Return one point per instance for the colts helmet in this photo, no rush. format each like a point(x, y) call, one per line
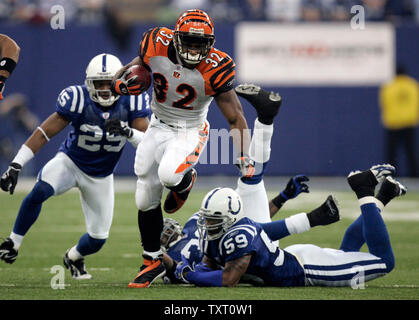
point(172, 231)
point(220, 209)
point(193, 36)
point(102, 67)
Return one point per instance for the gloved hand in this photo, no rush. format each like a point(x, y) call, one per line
point(124, 86)
point(183, 267)
point(246, 166)
point(295, 186)
point(118, 127)
point(9, 178)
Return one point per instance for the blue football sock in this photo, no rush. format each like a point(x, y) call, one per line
point(255, 179)
point(31, 207)
point(353, 239)
point(376, 234)
point(88, 245)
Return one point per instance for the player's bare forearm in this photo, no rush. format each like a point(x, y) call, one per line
point(9, 49)
point(51, 127)
point(234, 270)
point(141, 124)
point(230, 106)
point(273, 209)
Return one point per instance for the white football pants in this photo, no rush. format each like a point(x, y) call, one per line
point(337, 268)
point(163, 157)
point(96, 194)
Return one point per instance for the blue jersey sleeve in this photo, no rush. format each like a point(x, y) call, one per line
point(139, 106)
point(70, 103)
point(238, 242)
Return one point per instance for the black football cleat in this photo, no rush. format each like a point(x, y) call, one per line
point(390, 189)
point(150, 271)
point(77, 268)
point(363, 183)
point(7, 253)
point(326, 214)
point(266, 103)
point(175, 200)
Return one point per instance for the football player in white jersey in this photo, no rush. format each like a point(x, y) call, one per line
point(101, 123)
point(188, 73)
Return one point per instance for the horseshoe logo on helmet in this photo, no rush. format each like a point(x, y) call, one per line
point(229, 206)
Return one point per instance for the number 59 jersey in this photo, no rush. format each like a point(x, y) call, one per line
point(181, 95)
point(88, 145)
point(247, 237)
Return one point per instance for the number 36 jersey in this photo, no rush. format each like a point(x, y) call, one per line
point(182, 95)
point(91, 148)
point(275, 266)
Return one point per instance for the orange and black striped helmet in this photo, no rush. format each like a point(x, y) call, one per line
point(194, 36)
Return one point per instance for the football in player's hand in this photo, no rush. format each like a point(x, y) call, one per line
point(139, 75)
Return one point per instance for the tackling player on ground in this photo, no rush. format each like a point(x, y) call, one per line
point(9, 56)
point(188, 73)
point(102, 123)
point(237, 245)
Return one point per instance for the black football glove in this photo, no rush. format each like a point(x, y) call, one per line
point(246, 166)
point(8, 180)
point(118, 127)
point(295, 186)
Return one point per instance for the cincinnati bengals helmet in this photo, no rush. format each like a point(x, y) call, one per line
point(194, 36)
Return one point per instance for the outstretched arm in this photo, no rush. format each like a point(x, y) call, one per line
point(48, 129)
point(230, 106)
point(202, 275)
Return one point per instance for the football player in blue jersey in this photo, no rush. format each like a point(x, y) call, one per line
point(236, 245)
point(101, 123)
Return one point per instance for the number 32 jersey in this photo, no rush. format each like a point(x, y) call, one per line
point(182, 95)
point(91, 148)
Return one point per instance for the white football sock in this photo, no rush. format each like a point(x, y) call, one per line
point(74, 254)
point(17, 240)
point(260, 146)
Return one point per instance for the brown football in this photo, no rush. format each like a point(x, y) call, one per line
point(143, 76)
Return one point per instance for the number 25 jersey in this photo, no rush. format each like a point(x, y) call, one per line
point(181, 95)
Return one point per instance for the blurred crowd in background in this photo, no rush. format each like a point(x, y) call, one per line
point(229, 11)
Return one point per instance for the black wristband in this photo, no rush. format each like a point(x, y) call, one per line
point(2, 78)
point(278, 201)
point(7, 64)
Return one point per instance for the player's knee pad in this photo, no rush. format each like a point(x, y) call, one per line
point(144, 202)
point(168, 177)
point(40, 192)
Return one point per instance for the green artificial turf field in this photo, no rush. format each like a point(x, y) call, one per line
point(61, 223)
